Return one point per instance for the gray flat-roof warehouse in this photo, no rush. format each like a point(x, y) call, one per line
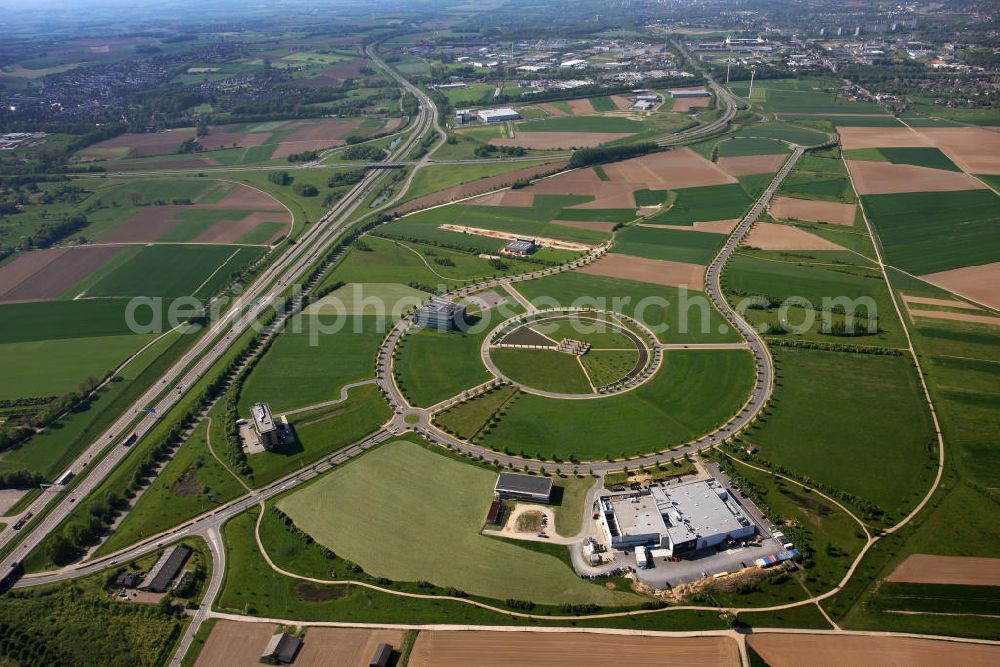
point(498, 115)
point(523, 487)
point(166, 569)
point(683, 518)
point(522, 246)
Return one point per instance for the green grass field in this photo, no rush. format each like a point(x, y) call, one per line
point(50, 451)
point(751, 146)
point(846, 121)
point(929, 157)
point(409, 262)
point(841, 436)
point(670, 244)
point(822, 278)
point(533, 221)
point(675, 316)
point(925, 232)
point(432, 366)
point(439, 177)
point(822, 523)
point(693, 392)
point(46, 320)
point(606, 367)
point(603, 103)
point(309, 366)
point(56, 367)
point(431, 508)
point(546, 370)
point(822, 186)
point(171, 271)
point(785, 132)
point(467, 419)
point(804, 95)
point(709, 202)
point(647, 197)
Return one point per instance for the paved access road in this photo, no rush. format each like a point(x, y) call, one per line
point(409, 417)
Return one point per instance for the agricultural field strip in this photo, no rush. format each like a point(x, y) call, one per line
point(47, 518)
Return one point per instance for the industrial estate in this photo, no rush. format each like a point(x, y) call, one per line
point(500, 333)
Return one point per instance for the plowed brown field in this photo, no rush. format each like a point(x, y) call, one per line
point(771, 236)
point(558, 649)
point(655, 271)
point(795, 650)
point(815, 211)
point(877, 178)
point(960, 570)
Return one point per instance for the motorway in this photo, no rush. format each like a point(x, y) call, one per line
point(90, 469)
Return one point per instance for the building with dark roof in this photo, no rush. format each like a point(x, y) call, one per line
point(523, 487)
point(441, 314)
point(128, 579)
point(166, 569)
point(381, 657)
point(521, 246)
point(281, 649)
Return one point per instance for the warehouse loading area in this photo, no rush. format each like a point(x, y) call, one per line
point(682, 531)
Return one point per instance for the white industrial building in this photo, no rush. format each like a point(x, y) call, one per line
point(498, 115)
point(688, 92)
point(680, 519)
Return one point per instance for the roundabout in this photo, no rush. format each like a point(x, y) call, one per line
point(571, 353)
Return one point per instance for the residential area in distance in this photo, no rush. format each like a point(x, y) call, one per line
point(450, 332)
